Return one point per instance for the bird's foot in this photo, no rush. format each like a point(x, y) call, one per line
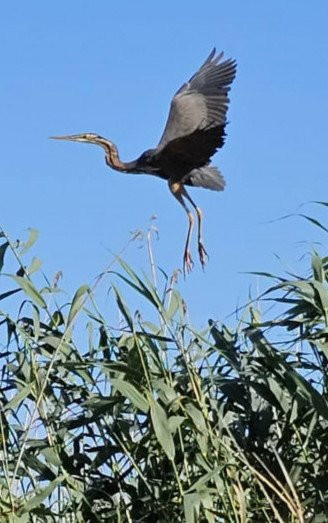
point(188, 264)
point(203, 256)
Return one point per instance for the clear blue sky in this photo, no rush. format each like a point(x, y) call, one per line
point(112, 68)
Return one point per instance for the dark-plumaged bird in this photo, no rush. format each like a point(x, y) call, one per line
point(195, 129)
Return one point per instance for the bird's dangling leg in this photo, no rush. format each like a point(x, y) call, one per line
point(201, 249)
point(188, 264)
point(178, 191)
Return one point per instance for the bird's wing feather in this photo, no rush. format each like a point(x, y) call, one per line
point(192, 150)
point(199, 105)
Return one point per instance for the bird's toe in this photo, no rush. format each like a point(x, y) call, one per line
point(188, 263)
point(203, 256)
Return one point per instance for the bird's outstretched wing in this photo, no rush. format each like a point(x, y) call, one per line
point(195, 126)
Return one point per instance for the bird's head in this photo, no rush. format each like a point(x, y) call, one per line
point(111, 156)
point(84, 137)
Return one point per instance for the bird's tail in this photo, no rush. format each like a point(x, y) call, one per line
point(208, 177)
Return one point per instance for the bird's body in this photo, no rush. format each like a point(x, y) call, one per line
point(195, 129)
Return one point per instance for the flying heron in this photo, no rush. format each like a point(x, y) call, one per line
point(195, 129)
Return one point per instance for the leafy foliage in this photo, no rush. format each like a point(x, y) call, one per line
point(155, 421)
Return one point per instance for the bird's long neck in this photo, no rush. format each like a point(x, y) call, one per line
point(113, 158)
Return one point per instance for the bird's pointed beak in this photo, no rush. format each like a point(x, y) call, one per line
point(71, 137)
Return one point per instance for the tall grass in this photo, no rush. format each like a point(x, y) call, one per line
point(153, 421)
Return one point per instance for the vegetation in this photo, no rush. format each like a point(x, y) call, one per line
point(155, 421)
